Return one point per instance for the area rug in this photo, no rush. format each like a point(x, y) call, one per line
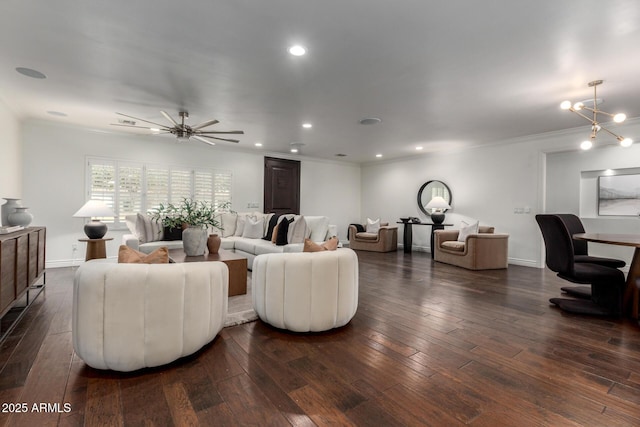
point(240, 309)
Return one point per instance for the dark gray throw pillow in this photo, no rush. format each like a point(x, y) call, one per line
point(283, 231)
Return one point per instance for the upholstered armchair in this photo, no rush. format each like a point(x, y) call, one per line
point(385, 240)
point(484, 250)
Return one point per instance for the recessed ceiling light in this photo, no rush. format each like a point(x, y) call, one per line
point(154, 129)
point(258, 144)
point(370, 121)
point(57, 113)
point(418, 148)
point(295, 147)
point(378, 155)
point(30, 72)
point(307, 125)
point(297, 50)
point(294, 150)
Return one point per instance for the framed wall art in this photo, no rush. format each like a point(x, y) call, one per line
point(619, 195)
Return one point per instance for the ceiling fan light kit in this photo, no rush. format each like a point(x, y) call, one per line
point(182, 131)
point(595, 125)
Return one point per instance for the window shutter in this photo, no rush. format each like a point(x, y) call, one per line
point(129, 190)
point(222, 183)
point(157, 187)
point(203, 186)
point(103, 184)
point(180, 185)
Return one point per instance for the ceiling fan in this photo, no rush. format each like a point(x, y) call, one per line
point(183, 131)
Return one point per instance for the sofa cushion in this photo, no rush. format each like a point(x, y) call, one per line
point(372, 226)
point(298, 230)
point(263, 247)
point(273, 222)
point(127, 255)
point(466, 230)
point(453, 245)
point(148, 230)
point(253, 228)
point(247, 245)
point(147, 248)
point(367, 236)
point(318, 226)
point(283, 232)
point(228, 223)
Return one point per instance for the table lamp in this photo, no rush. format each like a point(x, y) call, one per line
point(94, 229)
point(438, 204)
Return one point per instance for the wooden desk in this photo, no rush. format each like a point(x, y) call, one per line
point(96, 248)
point(631, 293)
point(237, 267)
point(407, 235)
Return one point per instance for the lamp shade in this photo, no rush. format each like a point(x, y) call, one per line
point(94, 208)
point(437, 203)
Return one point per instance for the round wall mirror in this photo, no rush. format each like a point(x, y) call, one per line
point(431, 189)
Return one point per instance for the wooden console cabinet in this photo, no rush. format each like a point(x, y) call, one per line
point(22, 261)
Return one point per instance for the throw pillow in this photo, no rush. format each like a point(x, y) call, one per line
point(253, 228)
point(274, 235)
point(283, 232)
point(131, 256)
point(311, 246)
point(331, 244)
point(228, 222)
point(273, 221)
point(467, 229)
point(242, 219)
point(149, 230)
point(373, 226)
point(171, 234)
point(298, 230)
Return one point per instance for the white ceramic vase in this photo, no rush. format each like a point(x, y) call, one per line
point(8, 208)
point(20, 216)
point(194, 240)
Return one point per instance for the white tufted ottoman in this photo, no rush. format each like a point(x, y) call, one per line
point(133, 316)
point(306, 291)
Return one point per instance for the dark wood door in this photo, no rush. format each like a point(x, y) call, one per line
point(281, 186)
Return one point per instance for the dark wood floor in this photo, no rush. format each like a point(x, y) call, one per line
point(431, 344)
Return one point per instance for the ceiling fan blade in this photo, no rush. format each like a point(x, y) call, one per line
point(133, 126)
point(213, 137)
point(142, 120)
point(168, 117)
point(235, 132)
point(205, 124)
point(203, 140)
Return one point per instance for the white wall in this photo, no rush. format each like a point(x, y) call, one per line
point(486, 184)
point(10, 154)
point(54, 179)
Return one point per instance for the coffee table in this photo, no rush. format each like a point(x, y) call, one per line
point(237, 267)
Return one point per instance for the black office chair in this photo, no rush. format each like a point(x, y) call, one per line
point(581, 254)
point(607, 283)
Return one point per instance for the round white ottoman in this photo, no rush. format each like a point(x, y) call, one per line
point(133, 316)
point(306, 291)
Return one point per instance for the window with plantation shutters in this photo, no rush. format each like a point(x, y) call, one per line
point(129, 188)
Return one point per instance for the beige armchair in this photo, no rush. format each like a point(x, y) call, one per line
point(485, 250)
point(385, 240)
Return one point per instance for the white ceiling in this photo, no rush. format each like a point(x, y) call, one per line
point(440, 74)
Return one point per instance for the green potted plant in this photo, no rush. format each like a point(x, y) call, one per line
point(193, 217)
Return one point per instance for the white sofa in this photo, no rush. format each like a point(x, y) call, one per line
point(306, 292)
point(133, 316)
point(319, 230)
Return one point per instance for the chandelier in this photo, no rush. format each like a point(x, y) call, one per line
point(595, 125)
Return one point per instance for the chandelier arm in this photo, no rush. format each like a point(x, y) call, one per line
point(618, 137)
point(582, 115)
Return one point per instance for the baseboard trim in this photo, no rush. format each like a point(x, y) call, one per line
point(524, 262)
